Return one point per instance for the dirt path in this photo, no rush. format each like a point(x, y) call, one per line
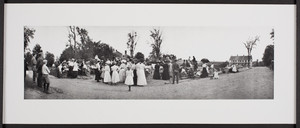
point(255, 83)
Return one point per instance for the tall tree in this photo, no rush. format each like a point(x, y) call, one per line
point(50, 59)
point(140, 57)
point(72, 36)
point(249, 46)
point(28, 34)
point(37, 49)
point(131, 43)
point(272, 35)
point(156, 36)
point(268, 55)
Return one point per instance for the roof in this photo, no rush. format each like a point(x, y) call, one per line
point(239, 57)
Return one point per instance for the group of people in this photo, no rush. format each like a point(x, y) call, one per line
point(71, 68)
point(189, 68)
point(167, 70)
point(128, 72)
point(40, 71)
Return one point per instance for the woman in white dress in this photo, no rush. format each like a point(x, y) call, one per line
point(129, 77)
point(107, 77)
point(122, 74)
point(140, 71)
point(115, 75)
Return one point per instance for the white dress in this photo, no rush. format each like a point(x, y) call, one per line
point(129, 77)
point(140, 71)
point(122, 74)
point(107, 77)
point(115, 75)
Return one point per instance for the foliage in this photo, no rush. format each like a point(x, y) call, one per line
point(272, 35)
point(50, 59)
point(28, 34)
point(37, 49)
point(249, 46)
point(140, 57)
point(171, 56)
point(28, 57)
point(156, 36)
point(131, 43)
point(268, 55)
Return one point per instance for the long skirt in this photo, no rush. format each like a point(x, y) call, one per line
point(97, 75)
point(122, 75)
point(107, 77)
point(115, 77)
point(204, 73)
point(134, 77)
point(156, 74)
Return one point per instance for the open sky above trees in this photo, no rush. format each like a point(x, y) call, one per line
point(214, 43)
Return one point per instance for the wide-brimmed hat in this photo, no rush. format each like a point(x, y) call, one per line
point(123, 61)
point(108, 62)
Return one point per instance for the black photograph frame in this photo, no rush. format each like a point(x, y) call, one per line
point(290, 2)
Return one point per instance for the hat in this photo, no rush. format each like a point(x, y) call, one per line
point(123, 61)
point(108, 62)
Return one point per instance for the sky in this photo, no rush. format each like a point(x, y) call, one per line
point(214, 43)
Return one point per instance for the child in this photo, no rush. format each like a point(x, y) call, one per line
point(216, 75)
point(45, 72)
point(129, 77)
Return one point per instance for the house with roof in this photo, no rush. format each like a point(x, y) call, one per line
point(240, 60)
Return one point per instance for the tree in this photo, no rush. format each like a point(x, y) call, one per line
point(170, 56)
point(272, 35)
point(37, 49)
point(268, 55)
point(67, 54)
point(140, 56)
point(156, 36)
point(249, 46)
point(28, 34)
point(131, 43)
point(28, 57)
point(72, 37)
point(50, 59)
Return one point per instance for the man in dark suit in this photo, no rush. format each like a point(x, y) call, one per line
point(175, 68)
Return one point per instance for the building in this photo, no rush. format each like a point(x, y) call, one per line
point(240, 60)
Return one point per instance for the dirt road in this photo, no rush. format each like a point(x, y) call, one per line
point(255, 83)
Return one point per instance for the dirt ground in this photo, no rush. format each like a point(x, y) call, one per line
point(255, 83)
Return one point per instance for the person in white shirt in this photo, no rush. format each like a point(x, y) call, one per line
point(45, 73)
point(75, 69)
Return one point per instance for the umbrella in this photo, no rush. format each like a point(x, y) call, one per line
point(204, 60)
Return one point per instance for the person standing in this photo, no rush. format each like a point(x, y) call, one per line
point(156, 74)
point(175, 70)
point(204, 72)
point(166, 74)
point(34, 69)
point(140, 71)
point(45, 72)
point(107, 76)
point(115, 75)
point(135, 77)
point(129, 78)
point(97, 71)
point(170, 71)
point(122, 73)
point(75, 69)
point(39, 69)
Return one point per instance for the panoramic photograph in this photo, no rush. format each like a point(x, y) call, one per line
point(148, 62)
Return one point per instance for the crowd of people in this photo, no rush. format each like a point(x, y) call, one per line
point(40, 71)
point(131, 72)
